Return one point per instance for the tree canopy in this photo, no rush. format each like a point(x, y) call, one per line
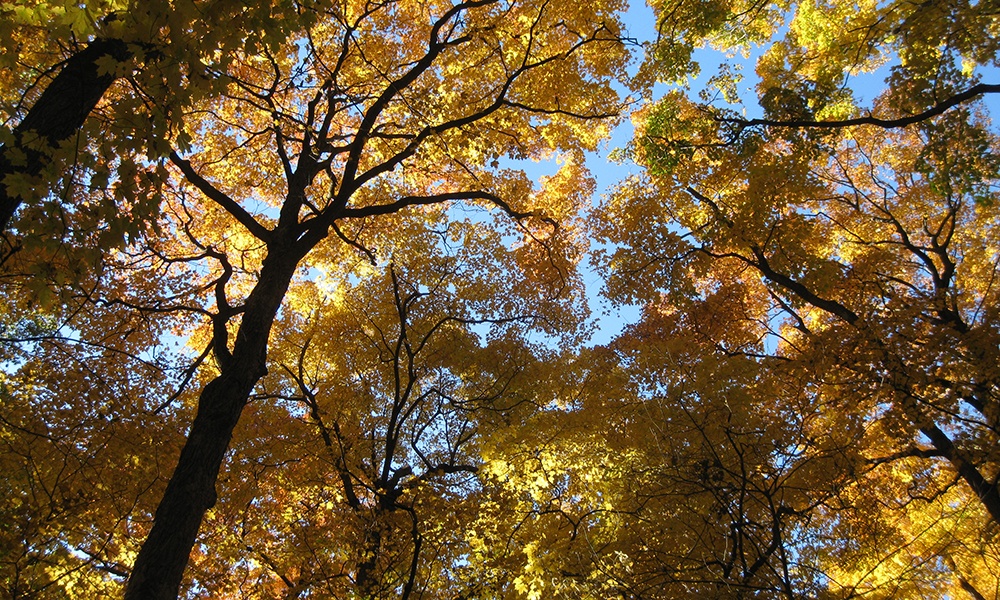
point(286, 317)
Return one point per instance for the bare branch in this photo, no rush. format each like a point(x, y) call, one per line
point(938, 109)
point(220, 198)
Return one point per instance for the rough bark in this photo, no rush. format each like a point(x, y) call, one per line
point(58, 114)
point(160, 564)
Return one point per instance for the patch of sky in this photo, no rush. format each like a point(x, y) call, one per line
point(609, 170)
point(607, 173)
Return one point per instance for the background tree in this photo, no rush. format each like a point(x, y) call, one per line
point(374, 486)
point(854, 243)
point(140, 65)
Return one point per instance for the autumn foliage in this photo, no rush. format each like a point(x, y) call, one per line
point(286, 317)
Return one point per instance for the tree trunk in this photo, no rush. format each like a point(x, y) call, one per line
point(159, 566)
point(59, 113)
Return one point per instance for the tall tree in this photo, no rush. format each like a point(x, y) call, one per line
point(328, 125)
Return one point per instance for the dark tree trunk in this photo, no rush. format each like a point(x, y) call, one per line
point(59, 113)
point(159, 566)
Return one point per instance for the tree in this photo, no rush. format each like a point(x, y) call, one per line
point(359, 113)
point(855, 244)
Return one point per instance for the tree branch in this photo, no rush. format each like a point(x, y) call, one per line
point(392, 207)
point(228, 204)
point(939, 108)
